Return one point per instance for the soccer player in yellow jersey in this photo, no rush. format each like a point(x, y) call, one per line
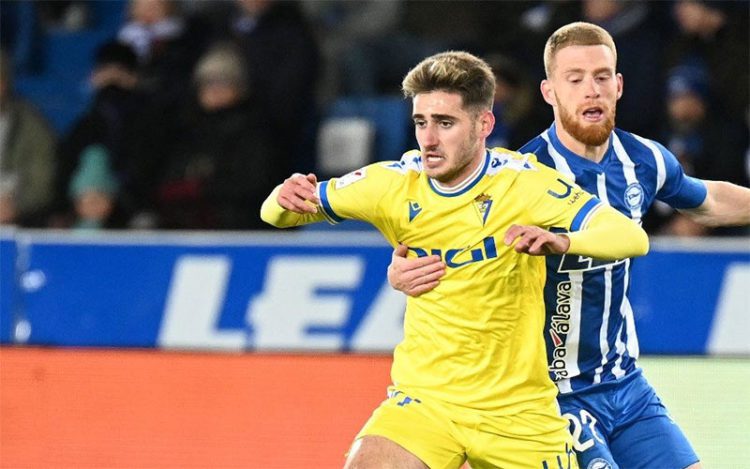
point(470, 379)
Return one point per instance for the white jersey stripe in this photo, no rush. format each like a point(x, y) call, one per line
point(603, 339)
point(628, 169)
point(560, 163)
point(601, 187)
point(661, 170)
point(633, 347)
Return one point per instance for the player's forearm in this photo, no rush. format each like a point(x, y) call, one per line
point(274, 214)
point(726, 204)
point(609, 235)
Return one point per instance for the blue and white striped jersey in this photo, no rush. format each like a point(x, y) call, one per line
point(589, 328)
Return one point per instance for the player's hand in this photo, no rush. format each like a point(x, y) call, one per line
point(297, 193)
point(536, 241)
point(414, 276)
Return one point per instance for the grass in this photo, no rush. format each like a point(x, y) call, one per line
point(710, 400)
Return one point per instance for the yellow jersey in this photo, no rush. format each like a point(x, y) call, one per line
point(476, 340)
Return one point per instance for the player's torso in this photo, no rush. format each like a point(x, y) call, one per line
point(590, 329)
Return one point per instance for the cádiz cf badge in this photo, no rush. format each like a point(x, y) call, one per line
point(483, 203)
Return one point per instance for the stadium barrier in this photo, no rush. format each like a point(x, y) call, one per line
point(307, 291)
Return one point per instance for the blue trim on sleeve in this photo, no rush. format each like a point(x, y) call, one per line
point(692, 194)
point(326, 204)
point(582, 214)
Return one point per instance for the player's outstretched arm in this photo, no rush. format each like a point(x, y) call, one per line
point(414, 276)
point(725, 204)
point(607, 235)
point(292, 203)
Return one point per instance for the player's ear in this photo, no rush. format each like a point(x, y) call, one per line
point(487, 121)
point(620, 84)
point(548, 92)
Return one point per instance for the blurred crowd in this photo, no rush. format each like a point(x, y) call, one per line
point(200, 108)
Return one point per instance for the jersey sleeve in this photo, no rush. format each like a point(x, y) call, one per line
point(679, 190)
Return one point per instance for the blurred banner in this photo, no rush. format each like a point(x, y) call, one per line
point(307, 291)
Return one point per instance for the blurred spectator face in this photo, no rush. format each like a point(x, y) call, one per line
point(94, 205)
point(215, 95)
point(254, 7)
point(150, 11)
point(601, 10)
point(686, 109)
point(698, 18)
point(583, 89)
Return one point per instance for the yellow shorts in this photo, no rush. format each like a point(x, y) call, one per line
point(443, 436)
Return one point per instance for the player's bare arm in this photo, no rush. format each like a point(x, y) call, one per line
point(725, 204)
point(536, 241)
point(414, 276)
point(297, 193)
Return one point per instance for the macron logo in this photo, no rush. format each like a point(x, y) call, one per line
point(414, 210)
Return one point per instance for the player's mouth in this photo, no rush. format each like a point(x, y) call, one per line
point(433, 159)
point(593, 114)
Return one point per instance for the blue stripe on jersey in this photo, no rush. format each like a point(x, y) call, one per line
point(587, 208)
point(326, 204)
point(589, 325)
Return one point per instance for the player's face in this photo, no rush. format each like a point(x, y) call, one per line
point(583, 90)
point(450, 137)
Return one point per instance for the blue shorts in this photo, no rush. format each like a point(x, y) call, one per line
point(625, 425)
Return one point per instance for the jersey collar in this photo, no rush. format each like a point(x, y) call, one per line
point(466, 185)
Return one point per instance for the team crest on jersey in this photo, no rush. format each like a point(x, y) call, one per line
point(483, 203)
point(634, 196)
point(350, 178)
point(414, 209)
point(599, 463)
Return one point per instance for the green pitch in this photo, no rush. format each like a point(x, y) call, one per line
point(710, 400)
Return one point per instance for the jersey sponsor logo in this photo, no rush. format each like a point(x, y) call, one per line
point(414, 210)
point(633, 197)
point(483, 203)
point(564, 192)
point(559, 329)
point(575, 263)
point(350, 178)
point(459, 257)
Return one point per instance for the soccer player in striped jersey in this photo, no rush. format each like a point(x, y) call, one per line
point(615, 416)
point(470, 377)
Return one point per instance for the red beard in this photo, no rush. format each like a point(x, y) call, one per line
point(590, 135)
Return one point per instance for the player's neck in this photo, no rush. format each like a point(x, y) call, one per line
point(590, 152)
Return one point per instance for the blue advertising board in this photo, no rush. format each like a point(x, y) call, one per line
point(305, 291)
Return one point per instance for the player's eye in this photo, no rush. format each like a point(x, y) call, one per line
point(446, 124)
point(419, 123)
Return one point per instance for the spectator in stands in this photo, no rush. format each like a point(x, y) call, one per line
point(516, 116)
point(707, 145)
point(94, 192)
point(716, 33)
point(283, 64)
point(220, 157)
point(118, 120)
point(27, 152)
point(167, 45)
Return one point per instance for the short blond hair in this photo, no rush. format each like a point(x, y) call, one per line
point(453, 72)
point(576, 34)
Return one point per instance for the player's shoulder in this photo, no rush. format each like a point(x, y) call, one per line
point(502, 159)
point(410, 164)
point(382, 173)
point(638, 147)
